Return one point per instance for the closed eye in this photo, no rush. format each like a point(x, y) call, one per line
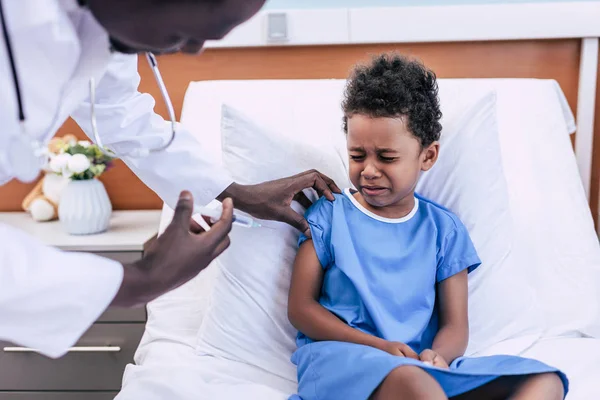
point(357, 157)
point(388, 159)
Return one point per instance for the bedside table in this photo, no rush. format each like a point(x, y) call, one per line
point(94, 367)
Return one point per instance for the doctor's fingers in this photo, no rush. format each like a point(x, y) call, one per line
point(291, 217)
point(196, 228)
point(317, 181)
point(304, 201)
point(330, 183)
point(221, 247)
point(220, 229)
point(183, 212)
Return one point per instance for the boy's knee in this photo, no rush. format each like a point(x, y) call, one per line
point(413, 381)
point(554, 384)
point(405, 373)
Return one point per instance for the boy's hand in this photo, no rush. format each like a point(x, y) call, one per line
point(398, 349)
point(432, 358)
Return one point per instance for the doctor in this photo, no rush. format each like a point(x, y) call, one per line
point(61, 58)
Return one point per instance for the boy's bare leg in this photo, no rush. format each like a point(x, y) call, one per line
point(533, 387)
point(543, 386)
point(409, 383)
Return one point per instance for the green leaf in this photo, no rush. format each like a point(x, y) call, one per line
point(99, 161)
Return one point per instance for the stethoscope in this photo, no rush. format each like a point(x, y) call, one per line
point(27, 156)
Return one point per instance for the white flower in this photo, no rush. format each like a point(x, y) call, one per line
point(84, 143)
point(59, 162)
point(78, 163)
point(66, 173)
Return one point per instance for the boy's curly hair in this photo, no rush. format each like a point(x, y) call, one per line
point(393, 85)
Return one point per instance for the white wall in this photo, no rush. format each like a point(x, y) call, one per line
point(410, 24)
point(304, 4)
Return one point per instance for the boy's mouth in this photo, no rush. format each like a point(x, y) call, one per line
point(373, 190)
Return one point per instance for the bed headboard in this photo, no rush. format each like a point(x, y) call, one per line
point(542, 40)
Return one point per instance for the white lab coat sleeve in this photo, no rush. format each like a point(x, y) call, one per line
point(49, 298)
point(126, 122)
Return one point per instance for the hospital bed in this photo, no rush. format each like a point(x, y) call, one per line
point(506, 167)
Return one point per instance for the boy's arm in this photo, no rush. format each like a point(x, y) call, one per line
point(310, 317)
point(453, 336)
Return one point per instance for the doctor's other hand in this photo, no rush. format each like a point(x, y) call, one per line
point(176, 256)
point(272, 200)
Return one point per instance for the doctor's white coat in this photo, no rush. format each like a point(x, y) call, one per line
point(49, 298)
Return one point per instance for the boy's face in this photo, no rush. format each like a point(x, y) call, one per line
point(386, 160)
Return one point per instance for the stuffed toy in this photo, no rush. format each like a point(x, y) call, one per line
point(42, 202)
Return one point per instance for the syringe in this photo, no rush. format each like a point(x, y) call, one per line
point(215, 214)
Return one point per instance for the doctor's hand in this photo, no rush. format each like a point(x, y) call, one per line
point(272, 200)
point(175, 257)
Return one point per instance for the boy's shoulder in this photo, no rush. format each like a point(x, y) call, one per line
point(323, 202)
point(322, 207)
point(440, 214)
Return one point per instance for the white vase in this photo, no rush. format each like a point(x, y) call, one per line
point(84, 207)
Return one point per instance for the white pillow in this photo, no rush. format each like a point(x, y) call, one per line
point(468, 178)
point(548, 204)
point(247, 319)
point(255, 153)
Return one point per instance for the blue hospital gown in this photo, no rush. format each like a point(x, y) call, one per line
point(380, 277)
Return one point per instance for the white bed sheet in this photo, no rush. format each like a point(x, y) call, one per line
point(576, 357)
point(175, 371)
